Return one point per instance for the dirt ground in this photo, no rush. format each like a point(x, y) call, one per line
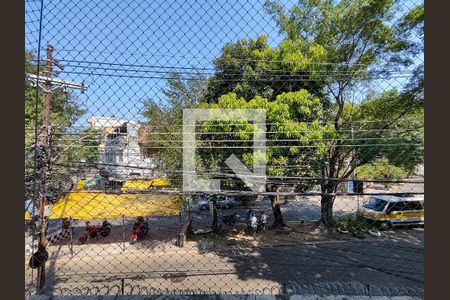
point(294, 234)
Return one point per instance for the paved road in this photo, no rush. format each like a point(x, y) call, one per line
point(156, 263)
point(390, 263)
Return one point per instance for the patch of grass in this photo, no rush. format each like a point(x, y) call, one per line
point(355, 224)
point(352, 223)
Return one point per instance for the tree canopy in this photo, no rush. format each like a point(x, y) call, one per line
point(295, 135)
point(250, 67)
point(163, 139)
point(329, 49)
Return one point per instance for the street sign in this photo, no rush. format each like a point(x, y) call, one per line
point(350, 186)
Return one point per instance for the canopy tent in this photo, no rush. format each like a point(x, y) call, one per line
point(99, 205)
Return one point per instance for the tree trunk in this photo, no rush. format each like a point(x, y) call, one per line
point(215, 223)
point(326, 204)
point(278, 220)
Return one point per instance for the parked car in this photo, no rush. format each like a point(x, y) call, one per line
point(390, 211)
point(226, 202)
point(203, 204)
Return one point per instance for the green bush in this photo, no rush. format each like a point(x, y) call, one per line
point(381, 169)
point(352, 223)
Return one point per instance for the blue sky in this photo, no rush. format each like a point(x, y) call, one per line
point(174, 34)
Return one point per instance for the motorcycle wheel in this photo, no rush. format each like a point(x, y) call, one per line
point(105, 232)
point(82, 239)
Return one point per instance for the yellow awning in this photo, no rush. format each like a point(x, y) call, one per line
point(98, 205)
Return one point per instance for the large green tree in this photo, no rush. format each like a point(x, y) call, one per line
point(250, 67)
point(329, 48)
point(358, 37)
point(163, 134)
point(295, 134)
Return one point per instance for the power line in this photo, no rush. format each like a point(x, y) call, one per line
point(62, 49)
point(225, 123)
point(251, 140)
point(235, 175)
point(263, 72)
point(274, 132)
point(264, 75)
point(222, 80)
point(267, 146)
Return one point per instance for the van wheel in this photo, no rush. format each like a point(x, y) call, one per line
point(385, 225)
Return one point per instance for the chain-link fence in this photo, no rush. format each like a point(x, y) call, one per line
point(211, 147)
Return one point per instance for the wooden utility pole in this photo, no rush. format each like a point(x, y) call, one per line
point(48, 94)
point(47, 84)
point(42, 243)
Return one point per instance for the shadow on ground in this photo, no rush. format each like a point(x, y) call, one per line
point(393, 263)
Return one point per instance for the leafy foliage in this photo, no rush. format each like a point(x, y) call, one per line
point(355, 34)
point(163, 139)
point(357, 38)
point(252, 68)
point(65, 111)
point(64, 108)
point(381, 168)
point(292, 118)
point(304, 83)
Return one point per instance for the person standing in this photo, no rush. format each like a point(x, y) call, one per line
point(263, 221)
point(248, 217)
point(253, 224)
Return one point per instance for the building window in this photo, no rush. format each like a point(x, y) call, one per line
point(119, 156)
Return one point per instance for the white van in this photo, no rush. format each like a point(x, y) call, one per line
point(390, 211)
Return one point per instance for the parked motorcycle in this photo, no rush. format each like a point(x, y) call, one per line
point(94, 231)
point(228, 220)
point(140, 229)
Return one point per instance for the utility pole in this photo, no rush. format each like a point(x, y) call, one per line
point(47, 84)
point(42, 242)
point(48, 94)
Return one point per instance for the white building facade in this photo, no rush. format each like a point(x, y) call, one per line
point(120, 150)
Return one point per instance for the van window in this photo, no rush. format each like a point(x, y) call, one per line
point(413, 205)
point(405, 206)
point(396, 206)
point(376, 204)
